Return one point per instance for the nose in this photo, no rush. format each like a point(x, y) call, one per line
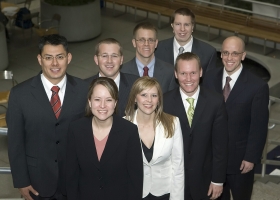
point(182, 27)
point(109, 58)
point(102, 105)
point(54, 61)
point(149, 98)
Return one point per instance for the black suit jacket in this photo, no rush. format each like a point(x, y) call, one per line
point(163, 72)
point(206, 53)
point(247, 108)
point(36, 139)
point(119, 173)
point(126, 82)
point(205, 142)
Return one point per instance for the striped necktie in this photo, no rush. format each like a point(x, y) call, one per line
point(55, 101)
point(190, 111)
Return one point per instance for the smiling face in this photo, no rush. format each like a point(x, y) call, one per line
point(233, 45)
point(109, 60)
point(182, 28)
point(101, 103)
point(54, 69)
point(188, 74)
point(147, 101)
point(146, 49)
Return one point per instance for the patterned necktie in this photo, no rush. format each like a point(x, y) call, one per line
point(227, 89)
point(181, 50)
point(146, 69)
point(55, 101)
point(190, 110)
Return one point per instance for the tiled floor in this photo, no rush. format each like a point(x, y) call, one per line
point(23, 62)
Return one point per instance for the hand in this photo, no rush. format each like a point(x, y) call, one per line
point(246, 166)
point(25, 192)
point(215, 190)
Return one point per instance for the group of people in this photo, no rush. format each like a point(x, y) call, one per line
point(166, 125)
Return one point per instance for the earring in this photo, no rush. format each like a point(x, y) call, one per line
point(135, 106)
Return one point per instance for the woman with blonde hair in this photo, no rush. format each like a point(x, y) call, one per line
point(161, 139)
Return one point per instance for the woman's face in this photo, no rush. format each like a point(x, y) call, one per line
point(101, 103)
point(147, 100)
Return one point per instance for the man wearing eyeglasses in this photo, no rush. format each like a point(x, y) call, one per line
point(109, 57)
point(183, 41)
point(40, 110)
point(145, 63)
point(246, 99)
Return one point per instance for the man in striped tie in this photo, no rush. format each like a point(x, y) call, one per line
point(40, 110)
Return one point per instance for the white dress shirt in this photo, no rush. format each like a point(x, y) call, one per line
point(48, 86)
point(233, 77)
point(187, 47)
point(117, 80)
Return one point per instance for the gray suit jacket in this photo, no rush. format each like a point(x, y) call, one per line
point(206, 53)
point(36, 139)
point(163, 72)
point(126, 82)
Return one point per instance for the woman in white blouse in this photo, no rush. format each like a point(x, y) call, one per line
point(161, 139)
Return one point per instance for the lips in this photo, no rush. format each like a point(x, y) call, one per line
point(54, 70)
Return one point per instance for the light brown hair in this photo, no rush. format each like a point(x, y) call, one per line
point(187, 56)
point(108, 41)
point(184, 12)
point(144, 25)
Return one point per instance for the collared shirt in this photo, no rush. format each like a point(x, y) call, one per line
point(117, 80)
point(151, 67)
point(48, 86)
point(187, 47)
point(187, 105)
point(233, 77)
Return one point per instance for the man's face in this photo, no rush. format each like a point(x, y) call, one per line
point(232, 54)
point(182, 28)
point(145, 43)
point(109, 60)
point(188, 74)
point(54, 61)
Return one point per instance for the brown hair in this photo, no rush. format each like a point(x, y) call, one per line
point(187, 56)
point(108, 41)
point(139, 85)
point(184, 12)
point(111, 87)
point(144, 25)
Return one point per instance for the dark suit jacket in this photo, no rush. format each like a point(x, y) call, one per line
point(126, 82)
point(205, 142)
point(163, 72)
point(119, 173)
point(36, 139)
point(247, 108)
point(206, 53)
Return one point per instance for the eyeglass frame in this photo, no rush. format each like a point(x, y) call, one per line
point(143, 40)
point(57, 57)
point(106, 56)
point(233, 54)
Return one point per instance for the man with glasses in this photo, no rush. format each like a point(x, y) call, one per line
point(109, 57)
point(183, 41)
point(40, 110)
point(145, 63)
point(246, 98)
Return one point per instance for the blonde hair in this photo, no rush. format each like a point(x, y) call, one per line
point(160, 117)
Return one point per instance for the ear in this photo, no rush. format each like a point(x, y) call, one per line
point(175, 74)
point(96, 60)
point(89, 103)
point(134, 43)
point(39, 57)
point(201, 72)
point(69, 58)
point(121, 60)
point(243, 56)
point(156, 43)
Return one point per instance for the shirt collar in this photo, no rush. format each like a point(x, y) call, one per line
point(150, 65)
point(195, 95)
point(48, 85)
point(234, 76)
point(187, 47)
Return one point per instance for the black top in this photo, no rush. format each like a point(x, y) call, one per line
point(148, 152)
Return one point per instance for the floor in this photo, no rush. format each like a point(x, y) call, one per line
point(22, 49)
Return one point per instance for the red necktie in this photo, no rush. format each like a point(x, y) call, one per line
point(146, 69)
point(227, 89)
point(55, 101)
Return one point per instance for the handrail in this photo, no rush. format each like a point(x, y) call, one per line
point(5, 170)
point(263, 3)
point(3, 131)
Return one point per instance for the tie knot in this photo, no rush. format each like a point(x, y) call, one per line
point(55, 89)
point(181, 50)
point(146, 69)
point(190, 101)
point(228, 79)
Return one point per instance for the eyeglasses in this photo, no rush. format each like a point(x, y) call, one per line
point(233, 54)
point(106, 56)
point(51, 58)
point(143, 41)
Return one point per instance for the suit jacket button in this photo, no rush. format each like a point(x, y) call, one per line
point(190, 152)
point(55, 160)
point(57, 142)
point(191, 135)
point(56, 124)
point(100, 177)
point(100, 187)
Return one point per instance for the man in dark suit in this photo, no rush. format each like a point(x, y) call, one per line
point(109, 57)
point(183, 41)
point(39, 113)
point(246, 99)
point(145, 63)
point(203, 119)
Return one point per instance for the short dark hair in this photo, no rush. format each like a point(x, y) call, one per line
point(107, 83)
point(187, 56)
point(53, 39)
point(184, 12)
point(108, 41)
point(144, 25)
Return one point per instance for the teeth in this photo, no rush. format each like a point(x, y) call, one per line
point(54, 69)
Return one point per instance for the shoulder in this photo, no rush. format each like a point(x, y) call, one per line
point(123, 123)
point(171, 93)
point(165, 42)
point(90, 79)
point(164, 64)
point(78, 123)
point(129, 63)
point(254, 79)
point(204, 45)
point(129, 77)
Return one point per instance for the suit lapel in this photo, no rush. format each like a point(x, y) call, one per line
point(123, 92)
point(238, 87)
point(201, 103)
point(158, 72)
point(195, 48)
point(169, 50)
point(133, 69)
point(218, 82)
